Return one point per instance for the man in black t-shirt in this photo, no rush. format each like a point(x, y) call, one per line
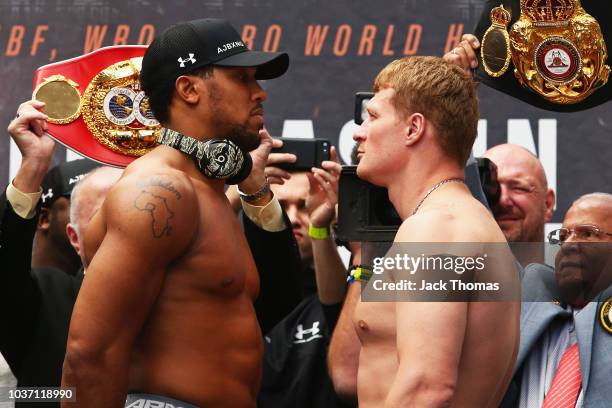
point(295, 350)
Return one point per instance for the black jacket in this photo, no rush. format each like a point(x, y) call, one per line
point(35, 307)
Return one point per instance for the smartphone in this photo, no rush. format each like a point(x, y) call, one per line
point(310, 152)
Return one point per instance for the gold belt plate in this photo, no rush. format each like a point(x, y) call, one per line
point(117, 112)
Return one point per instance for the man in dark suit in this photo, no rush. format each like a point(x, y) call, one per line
point(565, 355)
point(38, 288)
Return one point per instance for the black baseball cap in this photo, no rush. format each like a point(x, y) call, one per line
point(61, 179)
point(185, 47)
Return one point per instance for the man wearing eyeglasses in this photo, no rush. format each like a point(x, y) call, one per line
point(565, 358)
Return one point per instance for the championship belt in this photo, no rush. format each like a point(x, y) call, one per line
point(558, 52)
point(96, 107)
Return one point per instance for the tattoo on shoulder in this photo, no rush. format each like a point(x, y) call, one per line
point(165, 184)
point(161, 214)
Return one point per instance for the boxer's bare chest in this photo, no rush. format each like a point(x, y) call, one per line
point(375, 322)
point(219, 261)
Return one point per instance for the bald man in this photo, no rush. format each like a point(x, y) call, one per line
point(566, 320)
point(526, 202)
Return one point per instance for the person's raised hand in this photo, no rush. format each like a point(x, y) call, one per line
point(464, 54)
point(323, 193)
point(28, 130)
point(275, 174)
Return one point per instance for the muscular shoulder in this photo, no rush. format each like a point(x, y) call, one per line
point(156, 209)
point(468, 222)
point(427, 226)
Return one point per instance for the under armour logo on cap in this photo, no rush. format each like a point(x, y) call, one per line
point(200, 43)
point(47, 196)
point(183, 61)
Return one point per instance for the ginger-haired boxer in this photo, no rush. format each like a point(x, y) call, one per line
point(419, 134)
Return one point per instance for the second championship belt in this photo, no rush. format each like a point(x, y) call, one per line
point(549, 53)
point(558, 50)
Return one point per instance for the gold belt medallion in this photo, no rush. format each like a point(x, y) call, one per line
point(557, 49)
point(116, 111)
point(61, 97)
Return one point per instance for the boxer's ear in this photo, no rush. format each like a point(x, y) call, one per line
point(414, 128)
point(188, 88)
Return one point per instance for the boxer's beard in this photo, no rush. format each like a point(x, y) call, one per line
point(223, 118)
point(247, 141)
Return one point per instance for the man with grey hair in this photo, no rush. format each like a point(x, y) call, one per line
point(566, 320)
point(86, 199)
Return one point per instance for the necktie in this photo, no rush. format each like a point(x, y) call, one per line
point(566, 383)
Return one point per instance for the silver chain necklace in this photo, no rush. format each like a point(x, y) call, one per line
point(431, 190)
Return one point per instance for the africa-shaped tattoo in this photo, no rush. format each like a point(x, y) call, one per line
point(161, 214)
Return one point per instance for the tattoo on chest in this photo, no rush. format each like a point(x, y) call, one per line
point(161, 214)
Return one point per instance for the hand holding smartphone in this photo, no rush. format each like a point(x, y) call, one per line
point(310, 153)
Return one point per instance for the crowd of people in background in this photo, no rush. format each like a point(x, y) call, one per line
point(157, 283)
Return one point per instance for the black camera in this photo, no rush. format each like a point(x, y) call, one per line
point(364, 210)
point(366, 214)
point(487, 170)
